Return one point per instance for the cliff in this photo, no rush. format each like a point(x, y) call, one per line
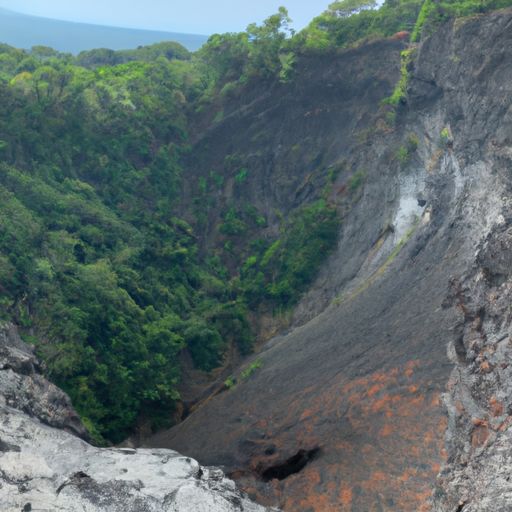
point(396, 371)
point(44, 465)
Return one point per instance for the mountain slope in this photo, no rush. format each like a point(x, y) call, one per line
point(346, 412)
point(25, 31)
point(164, 214)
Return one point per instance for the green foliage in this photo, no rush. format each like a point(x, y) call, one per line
point(434, 12)
point(282, 271)
point(400, 93)
point(105, 57)
point(356, 180)
point(402, 155)
point(445, 137)
point(253, 367)
point(412, 142)
point(205, 344)
point(427, 9)
point(91, 254)
point(227, 61)
point(349, 21)
point(232, 381)
point(233, 225)
point(219, 116)
point(405, 152)
point(346, 8)
point(242, 175)
point(266, 44)
point(287, 61)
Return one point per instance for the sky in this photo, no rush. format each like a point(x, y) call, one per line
point(190, 16)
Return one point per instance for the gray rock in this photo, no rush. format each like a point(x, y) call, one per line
point(45, 466)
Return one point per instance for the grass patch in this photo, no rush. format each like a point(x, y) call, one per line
point(231, 382)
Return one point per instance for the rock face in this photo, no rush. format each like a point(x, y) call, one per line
point(45, 466)
point(398, 368)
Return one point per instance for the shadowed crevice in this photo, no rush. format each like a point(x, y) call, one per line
point(291, 466)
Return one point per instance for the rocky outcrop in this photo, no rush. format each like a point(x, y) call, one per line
point(348, 412)
point(22, 386)
point(45, 466)
point(476, 477)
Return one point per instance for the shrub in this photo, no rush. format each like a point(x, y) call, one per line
point(356, 180)
point(289, 264)
point(400, 92)
point(445, 137)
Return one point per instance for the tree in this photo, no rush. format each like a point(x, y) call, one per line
point(267, 42)
point(346, 8)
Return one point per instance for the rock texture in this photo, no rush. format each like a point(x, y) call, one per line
point(349, 412)
point(45, 466)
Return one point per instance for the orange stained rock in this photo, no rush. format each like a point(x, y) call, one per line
point(386, 430)
point(477, 422)
point(314, 500)
point(317, 504)
point(346, 497)
point(381, 404)
point(415, 451)
point(459, 407)
point(375, 389)
point(331, 488)
point(403, 34)
point(425, 507)
point(506, 424)
point(436, 402)
point(407, 474)
point(314, 477)
point(383, 420)
point(485, 367)
point(379, 476)
point(429, 437)
point(306, 414)
point(496, 407)
point(479, 436)
point(410, 405)
point(410, 367)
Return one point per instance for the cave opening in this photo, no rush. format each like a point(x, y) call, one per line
point(291, 466)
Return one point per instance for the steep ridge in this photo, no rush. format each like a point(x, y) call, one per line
point(300, 142)
point(346, 412)
point(45, 466)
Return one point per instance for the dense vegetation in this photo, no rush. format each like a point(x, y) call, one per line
point(97, 261)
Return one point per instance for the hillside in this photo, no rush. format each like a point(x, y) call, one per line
point(284, 254)
point(25, 31)
point(348, 412)
point(47, 464)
